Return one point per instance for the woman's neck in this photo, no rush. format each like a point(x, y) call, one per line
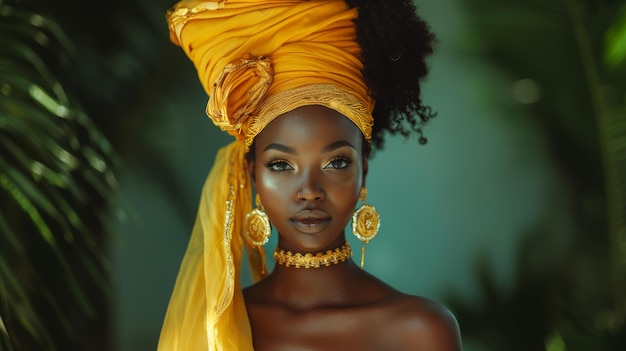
point(308, 288)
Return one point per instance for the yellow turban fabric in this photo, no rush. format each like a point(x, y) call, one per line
point(256, 59)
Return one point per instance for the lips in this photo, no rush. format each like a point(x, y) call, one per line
point(311, 221)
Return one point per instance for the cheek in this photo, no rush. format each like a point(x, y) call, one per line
point(348, 195)
point(272, 189)
point(265, 181)
point(354, 181)
point(345, 192)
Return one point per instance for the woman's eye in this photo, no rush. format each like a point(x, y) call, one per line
point(278, 166)
point(339, 163)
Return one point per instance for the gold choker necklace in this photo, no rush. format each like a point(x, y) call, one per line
point(298, 260)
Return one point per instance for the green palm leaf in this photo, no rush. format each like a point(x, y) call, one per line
point(56, 186)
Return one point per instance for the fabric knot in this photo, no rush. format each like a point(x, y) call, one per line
point(238, 91)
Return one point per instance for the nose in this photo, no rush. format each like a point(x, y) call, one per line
point(311, 188)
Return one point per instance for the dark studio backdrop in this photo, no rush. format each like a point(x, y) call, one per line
point(513, 214)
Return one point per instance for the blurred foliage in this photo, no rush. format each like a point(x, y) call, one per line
point(75, 88)
point(57, 186)
point(566, 63)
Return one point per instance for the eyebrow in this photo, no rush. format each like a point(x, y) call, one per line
point(280, 147)
point(338, 144)
point(289, 150)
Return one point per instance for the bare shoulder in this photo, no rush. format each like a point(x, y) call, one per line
point(418, 323)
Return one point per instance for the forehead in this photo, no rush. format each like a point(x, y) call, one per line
point(309, 125)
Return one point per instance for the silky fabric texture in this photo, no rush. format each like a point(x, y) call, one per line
point(206, 309)
point(283, 53)
point(256, 60)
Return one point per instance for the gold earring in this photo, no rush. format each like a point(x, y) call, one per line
point(257, 229)
point(365, 223)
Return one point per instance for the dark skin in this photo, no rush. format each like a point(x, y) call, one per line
point(308, 169)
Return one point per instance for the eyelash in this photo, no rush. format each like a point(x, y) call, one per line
point(272, 166)
point(343, 159)
point(277, 166)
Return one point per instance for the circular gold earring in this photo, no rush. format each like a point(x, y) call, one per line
point(257, 228)
point(365, 223)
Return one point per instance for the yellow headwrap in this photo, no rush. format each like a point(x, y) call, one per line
point(256, 59)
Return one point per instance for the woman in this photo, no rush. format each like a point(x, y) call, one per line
point(307, 88)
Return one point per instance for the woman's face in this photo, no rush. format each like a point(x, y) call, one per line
point(308, 169)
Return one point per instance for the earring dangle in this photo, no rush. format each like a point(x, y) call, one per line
point(257, 227)
point(365, 223)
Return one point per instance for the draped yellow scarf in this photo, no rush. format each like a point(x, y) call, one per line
point(256, 59)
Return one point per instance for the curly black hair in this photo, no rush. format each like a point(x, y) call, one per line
point(395, 43)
